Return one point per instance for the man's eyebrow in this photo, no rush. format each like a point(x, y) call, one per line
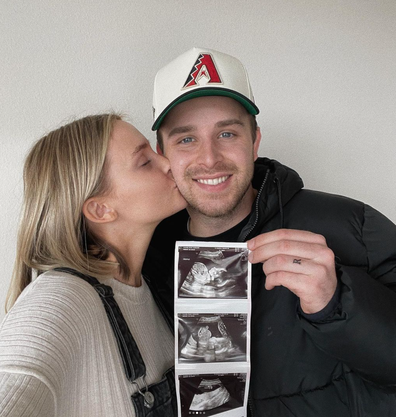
point(229, 122)
point(190, 128)
point(139, 148)
point(181, 129)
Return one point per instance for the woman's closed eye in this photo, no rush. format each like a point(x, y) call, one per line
point(145, 163)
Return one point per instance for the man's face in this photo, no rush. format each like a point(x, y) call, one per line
point(209, 144)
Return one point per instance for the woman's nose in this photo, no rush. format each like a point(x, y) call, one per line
point(163, 163)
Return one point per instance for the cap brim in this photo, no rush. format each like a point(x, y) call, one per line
point(208, 91)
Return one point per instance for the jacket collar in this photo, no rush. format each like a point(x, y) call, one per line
point(276, 184)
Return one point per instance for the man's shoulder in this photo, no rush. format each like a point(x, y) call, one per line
point(327, 201)
point(350, 227)
point(320, 211)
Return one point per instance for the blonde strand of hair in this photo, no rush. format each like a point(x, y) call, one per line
point(63, 170)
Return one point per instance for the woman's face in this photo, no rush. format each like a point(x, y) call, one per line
point(142, 189)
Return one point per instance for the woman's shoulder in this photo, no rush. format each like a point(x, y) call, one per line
point(55, 300)
point(57, 287)
point(54, 319)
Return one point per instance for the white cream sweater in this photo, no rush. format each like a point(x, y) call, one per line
point(58, 354)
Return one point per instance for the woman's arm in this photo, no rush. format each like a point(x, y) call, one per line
point(24, 396)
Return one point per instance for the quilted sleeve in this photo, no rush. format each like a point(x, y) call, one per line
point(361, 332)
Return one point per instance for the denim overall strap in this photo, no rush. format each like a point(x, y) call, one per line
point(132, 360)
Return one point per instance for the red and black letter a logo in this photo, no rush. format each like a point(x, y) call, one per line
point(204, 70)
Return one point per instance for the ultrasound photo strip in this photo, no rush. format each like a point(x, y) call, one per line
point(211, 394)
point(212, 328)
point(212, 337)
point(212, 272)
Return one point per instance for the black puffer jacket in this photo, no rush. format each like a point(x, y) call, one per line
point(342, 366)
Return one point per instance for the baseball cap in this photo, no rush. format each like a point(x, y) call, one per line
point(200, 72)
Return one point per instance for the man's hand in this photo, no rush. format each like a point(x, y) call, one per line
point(299, 261)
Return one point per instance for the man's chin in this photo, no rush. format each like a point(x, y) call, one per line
point(214, 212)
point(217, 206)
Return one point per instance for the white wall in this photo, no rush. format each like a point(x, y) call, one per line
point(323, 74)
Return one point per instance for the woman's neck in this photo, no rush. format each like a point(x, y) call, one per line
point(132, 247)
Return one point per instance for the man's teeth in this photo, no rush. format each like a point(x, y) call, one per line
point(213, 181)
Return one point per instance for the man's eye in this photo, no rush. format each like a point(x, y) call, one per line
point(226, 135)
point(187, 140)
point(146, 163)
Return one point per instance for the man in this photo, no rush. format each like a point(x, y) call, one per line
point(324, 266)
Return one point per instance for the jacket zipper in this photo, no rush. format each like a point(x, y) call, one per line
point(250, 406)
point(257, 206)
point(159, 304)
point(243, 240)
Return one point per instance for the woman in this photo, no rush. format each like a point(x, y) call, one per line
point(94, 193)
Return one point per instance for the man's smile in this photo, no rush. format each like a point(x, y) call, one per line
point(213, 181)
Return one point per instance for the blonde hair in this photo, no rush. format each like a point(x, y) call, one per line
point(63, 170)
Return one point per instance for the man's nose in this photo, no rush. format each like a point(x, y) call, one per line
point(209, 153)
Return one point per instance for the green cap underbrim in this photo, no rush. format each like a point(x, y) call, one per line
point(202, 92)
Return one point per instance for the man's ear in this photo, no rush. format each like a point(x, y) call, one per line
point(98, 212)
point(159, 150)
point(256, 144)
